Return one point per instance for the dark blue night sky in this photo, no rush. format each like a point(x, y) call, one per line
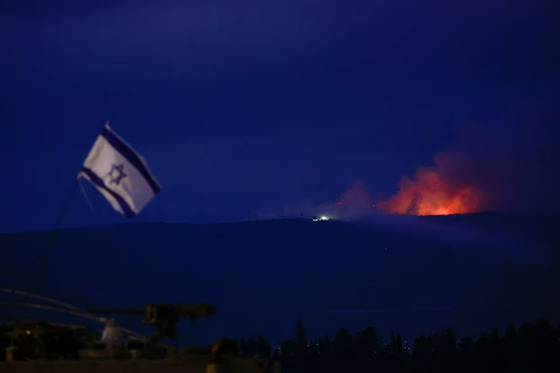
point(243, 107)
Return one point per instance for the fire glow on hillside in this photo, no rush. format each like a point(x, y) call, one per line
point(428, 193)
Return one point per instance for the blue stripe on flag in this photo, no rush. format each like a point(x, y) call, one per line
point(98, 182)
point(130, 156)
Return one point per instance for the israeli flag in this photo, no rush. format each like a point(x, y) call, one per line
point(119, 173)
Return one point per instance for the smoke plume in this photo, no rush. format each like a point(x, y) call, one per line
point(512, 166)
point(430, 192)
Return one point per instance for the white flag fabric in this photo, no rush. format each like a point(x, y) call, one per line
point(119, 173)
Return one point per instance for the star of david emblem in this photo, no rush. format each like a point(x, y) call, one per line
point(116, 174)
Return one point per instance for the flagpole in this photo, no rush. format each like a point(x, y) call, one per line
point(53, 236)
point(85, 195)
point(65, 207)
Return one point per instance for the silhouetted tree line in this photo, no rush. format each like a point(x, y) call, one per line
point(534, 347)
point(255, 346)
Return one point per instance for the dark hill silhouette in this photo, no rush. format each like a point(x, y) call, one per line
point(414, 275)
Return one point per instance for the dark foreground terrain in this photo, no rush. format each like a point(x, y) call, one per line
point(413, 275)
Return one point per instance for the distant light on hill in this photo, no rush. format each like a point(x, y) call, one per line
point(321, 218)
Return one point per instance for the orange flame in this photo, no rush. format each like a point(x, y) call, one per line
point(428, 193)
